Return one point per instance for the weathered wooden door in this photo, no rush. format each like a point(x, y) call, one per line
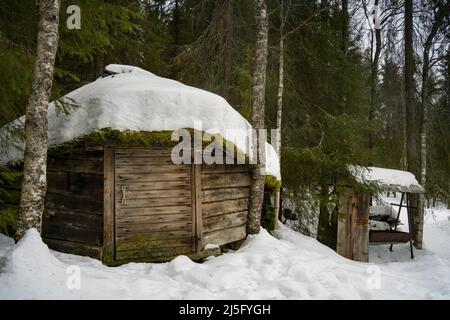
point(154, 216)
point(353, 226)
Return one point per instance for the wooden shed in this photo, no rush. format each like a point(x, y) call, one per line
point(353, 231)
point(120, 204)
point(114, 192)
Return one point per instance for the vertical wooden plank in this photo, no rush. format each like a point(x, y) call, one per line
point(198, 207)
point(361, 228)
point(197, 216)
point(108, 205)
point(344, 245)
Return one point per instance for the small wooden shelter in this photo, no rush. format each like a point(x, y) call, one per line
point(114, 192)
point(120, 204)
point(353, 232)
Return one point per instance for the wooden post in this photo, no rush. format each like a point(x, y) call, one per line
point(108, 205)
point(353, 226)
point(197, 216)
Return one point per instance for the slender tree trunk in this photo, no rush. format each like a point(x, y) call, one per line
point(280, 100)
point(258, 104)
point(441, 14)
point(34, 186)
point(411, 117)
point(374, 78)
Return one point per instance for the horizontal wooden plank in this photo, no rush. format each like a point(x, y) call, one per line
point(87, 185)
point(123, 161)
point(150, 194)
point(151, 169)
point(144, 245)
point(222, 207)
point(73, 218)
point(152, 202)
point(158, 185)
point(75, 165)
point(155, 218)
point(80, 249)
point(166, 210)
point(225, 236)
point(224, 221)
point(148, 178)
point(224, 194)
point(152, 226)
point(74, 203)
point(225, 180)
point(80, 153)
point(224, 168)
point(72, 233)
point(157, 254)
point(143, 152)
point(154, 235)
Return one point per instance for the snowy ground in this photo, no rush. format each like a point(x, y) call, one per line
point(291, 267)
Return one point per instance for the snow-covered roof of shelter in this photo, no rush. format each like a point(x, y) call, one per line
point(136, 100)
point(388, 179)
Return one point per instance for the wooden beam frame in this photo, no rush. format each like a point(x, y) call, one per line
point(108, 205)
point(197, 216)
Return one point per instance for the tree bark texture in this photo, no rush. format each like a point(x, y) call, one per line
point(258, 105)
point(34, 186)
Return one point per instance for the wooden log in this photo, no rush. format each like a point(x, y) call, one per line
point(152, 226)
point(71, 233)
point(224, 168)
point(144, 152)
point(224, 194)
point(224, 236)
point(74, 248)
point(75, 165)
point(144, 211)
point(159, 185)
point(73, 202)
point(152, 169)
point(221, 207)
point(151, 194)
point(79, 184)
point(223, 221)
point(149, 178)
point(153, 235)
point(156, 218)
point(73, 218)
point(225, 180)
point(123, 161)
point(151, 202)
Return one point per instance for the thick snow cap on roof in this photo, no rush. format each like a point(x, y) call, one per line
point(389, 179)
point(137, 100)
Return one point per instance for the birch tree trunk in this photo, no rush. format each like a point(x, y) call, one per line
point(442, 13)
point(34, 186)
point(279, 102)
point(258, 104)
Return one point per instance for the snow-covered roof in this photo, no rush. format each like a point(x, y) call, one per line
point(388, 179)
point(136, 100)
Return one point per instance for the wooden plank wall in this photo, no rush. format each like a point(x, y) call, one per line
point(73, 217)
point(225, 199)
point(153, 205)
point(353, 226)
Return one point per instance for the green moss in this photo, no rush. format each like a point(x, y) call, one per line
point(272, 184)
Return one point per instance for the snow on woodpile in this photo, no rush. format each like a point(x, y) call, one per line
point(137, 100)
point(389, 179)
